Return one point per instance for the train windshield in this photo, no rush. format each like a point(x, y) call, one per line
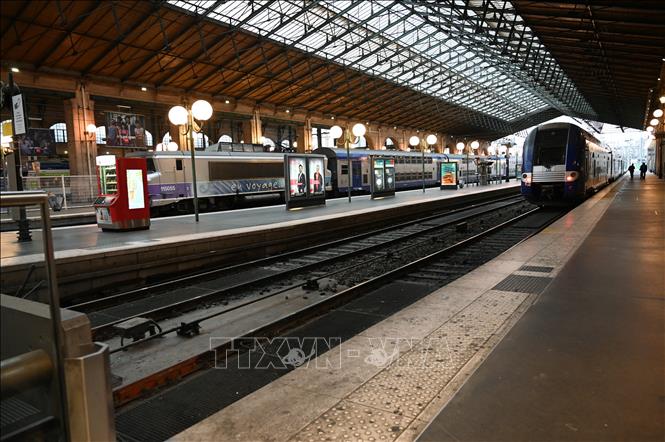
point(550, 147)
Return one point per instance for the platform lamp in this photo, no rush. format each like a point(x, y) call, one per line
point(413, 142)
point(474, 145)
point(431, 141)
point(460, 147)
point(337, 132)
point(201, 110)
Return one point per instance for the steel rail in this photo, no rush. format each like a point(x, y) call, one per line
point(194, 325)
point(98, 304)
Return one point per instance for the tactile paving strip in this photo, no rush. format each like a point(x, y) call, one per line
point(541, 269)
point(399, 393)
point(347, 421)
point(523, 284)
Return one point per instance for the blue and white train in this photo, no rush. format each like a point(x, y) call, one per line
point(563, 164)
point(408, 168)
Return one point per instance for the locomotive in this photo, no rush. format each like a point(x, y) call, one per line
point(563, 164)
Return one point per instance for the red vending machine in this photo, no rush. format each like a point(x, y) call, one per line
point(123, 202)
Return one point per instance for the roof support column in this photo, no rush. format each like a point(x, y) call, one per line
point(82, 146)
point(304, 136)
point(251, 130)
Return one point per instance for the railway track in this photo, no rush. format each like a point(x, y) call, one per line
point(286, 273)
point(390, 283)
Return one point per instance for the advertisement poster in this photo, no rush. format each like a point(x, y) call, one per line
point(125, 130)
point(449, 175)
point(390, 173)
point(316, 179)
point(37, 142)
point(135, 194)
point(378, 176)
point(297, 177)
point(304, 176)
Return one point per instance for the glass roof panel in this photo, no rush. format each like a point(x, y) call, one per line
point(419, 45)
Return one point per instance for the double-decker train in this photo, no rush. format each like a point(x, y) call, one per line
point(563, 164)
point(225, 176)
point(408, 168)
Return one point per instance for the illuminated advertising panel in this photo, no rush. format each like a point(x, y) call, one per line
point(389, 165)
point(297, 177)
point(305, 178)
point(135, 195)
point(316, 179)
point(383, 177)
point(379, 178)
point(448, 175)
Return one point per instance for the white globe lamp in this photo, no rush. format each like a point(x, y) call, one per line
point(336, 132)
point(201, 110)
point(359, 129)
point(178, 115)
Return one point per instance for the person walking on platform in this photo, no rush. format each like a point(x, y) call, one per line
point(631, 170)
point(643, 171)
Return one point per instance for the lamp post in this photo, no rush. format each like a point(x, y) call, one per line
point(180, 116)
point(431, 141)
point(336, 132)
point(460, 146)
point(413, 142)
point(474, 145)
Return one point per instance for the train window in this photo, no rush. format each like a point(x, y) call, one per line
point(345, 169)
point(223, 170)
point(178, 164)
point(151, 165)
point(365, 179)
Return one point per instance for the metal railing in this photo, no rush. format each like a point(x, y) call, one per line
point(24, 199)
point(65, 191)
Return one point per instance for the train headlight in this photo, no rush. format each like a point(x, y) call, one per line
point(571, 176)
point(526, 179)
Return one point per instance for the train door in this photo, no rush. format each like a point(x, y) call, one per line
point(179, 172)
point(356, 173)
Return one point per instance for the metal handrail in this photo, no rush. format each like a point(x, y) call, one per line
point(40, 198)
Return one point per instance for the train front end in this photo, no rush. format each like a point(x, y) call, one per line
point(553, 165)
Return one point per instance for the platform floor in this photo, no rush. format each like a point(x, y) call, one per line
point(576, 358)
point(586, 360)
point(77, 240)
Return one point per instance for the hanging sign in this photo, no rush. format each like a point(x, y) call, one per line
point(19, 115)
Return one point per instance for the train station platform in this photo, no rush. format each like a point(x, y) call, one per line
point(586, 362)
point(559, 338)
point(90, 259)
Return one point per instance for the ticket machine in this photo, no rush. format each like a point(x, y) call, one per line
point(123, 202)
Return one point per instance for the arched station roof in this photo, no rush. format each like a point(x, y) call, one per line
point(466, 67)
